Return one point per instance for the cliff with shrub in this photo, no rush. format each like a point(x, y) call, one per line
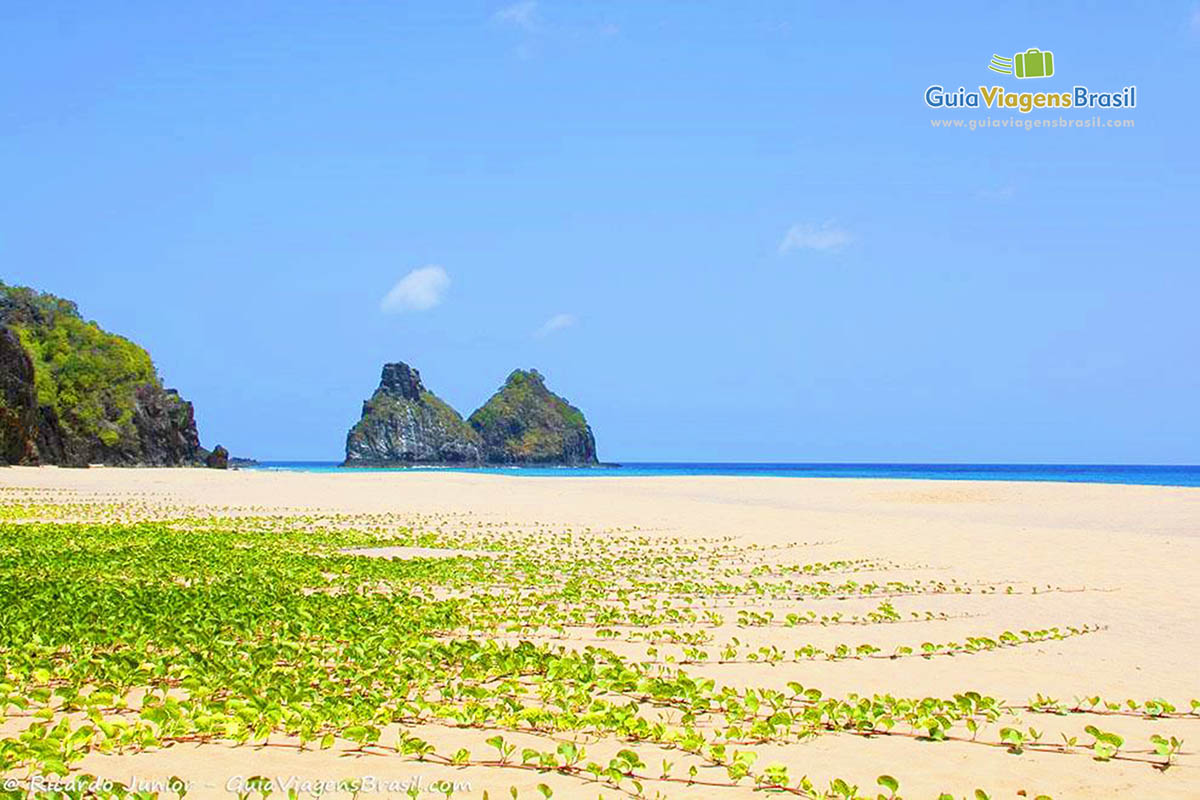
point(526, 423)
point(73, 394)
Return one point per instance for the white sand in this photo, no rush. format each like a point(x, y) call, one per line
point(1135, 550)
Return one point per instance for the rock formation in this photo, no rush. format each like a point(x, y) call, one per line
point(526, 423)
point(72, 394)
point(18, 402)
point(404, 423)
point(217, 459)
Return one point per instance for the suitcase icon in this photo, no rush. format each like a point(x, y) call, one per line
point(1034, 63)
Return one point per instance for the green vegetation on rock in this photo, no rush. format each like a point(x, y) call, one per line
point(86, 375)
point(523, 423)
point(526, 423)
point(98, 395)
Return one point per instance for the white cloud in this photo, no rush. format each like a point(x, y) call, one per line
point(536, 35)
point(419, 290)
point(804, 236)
point(521, 15)
point(556, 323)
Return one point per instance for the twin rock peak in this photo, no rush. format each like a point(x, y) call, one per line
point(522, 423)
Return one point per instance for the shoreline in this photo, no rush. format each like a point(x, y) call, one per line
point(1110, 474)
point(564, 474)
point(1163, 475)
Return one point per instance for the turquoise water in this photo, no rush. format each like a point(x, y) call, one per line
point(1145, 475)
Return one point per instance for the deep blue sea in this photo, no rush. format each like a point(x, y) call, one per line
point(1147, 475)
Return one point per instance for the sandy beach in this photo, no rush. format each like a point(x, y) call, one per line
point(1116, 563)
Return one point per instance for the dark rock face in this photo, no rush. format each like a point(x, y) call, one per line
point(166, 427)
point(165, 436)
point(218, 458)
point(401, 380)
point(105, 406)
point(526, 423)
point(50, 445)
point(18, 402)
point(405, 423)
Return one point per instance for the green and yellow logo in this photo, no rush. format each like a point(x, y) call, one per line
point(1033, 63)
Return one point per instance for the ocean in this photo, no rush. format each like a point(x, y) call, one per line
point(1140, 474)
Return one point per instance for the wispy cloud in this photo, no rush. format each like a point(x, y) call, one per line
point(520, 15)
point(536, 33)
point(556, 323)
point(806, 236)
point(419, 290)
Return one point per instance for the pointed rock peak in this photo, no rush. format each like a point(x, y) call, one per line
point(401, 380)
point(519, 376)
point(405, 423)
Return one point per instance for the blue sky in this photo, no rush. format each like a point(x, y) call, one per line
point(727, 231)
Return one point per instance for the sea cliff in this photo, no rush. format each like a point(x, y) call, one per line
point(73, 394)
